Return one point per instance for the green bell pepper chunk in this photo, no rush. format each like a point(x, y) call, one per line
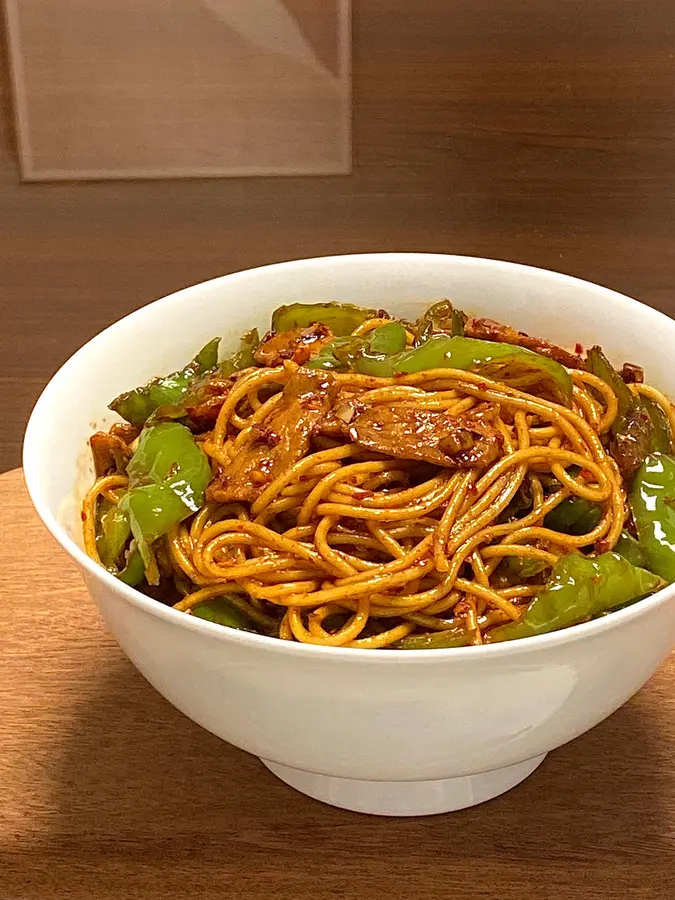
point(134, 569)
point(516, 568)
point(168, 475)
point(632, 430)
point(439, 640)
point(574, 515)
point(579, 588)
point(241, 358)
point(662, 437)
point(341, 318)
point(113, 534)
point(220, 611)
point(468, 354)
point(152, 509)
point(198, 391)
point(385, 339)
point(652, 502)
point(631, 550)
point(326, 359)
point(168, 454)
point(441, 318)
point(368, 354)
point(138, 405)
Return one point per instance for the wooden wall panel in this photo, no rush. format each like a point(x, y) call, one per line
point(180, 88)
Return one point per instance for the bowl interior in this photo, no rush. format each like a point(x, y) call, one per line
point(163, 336)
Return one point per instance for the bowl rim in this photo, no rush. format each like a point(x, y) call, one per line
point(176, 618)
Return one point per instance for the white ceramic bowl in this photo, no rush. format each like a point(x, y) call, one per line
point(389, 732)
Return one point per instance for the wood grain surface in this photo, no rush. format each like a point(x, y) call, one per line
point(108, 793)
point(534, 130)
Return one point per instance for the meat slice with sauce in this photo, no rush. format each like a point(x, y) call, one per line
point(298, 345)
point(489, 330)
point(110, 452)
point(464, 441)
point(336, 422)
point(284, 439)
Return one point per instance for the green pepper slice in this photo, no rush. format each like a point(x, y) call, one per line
point(367, 354)
point(326, 359)
point(441, 318)
point(241, 358)
point(574, 515)
point(134, 569)
point(168, 475)
point(168, 454)
point(370, 354)
point(198, 391)
point(138, 405)
point(113, 533)
point(631, 550)
point(579, 588)
point(652, 502)
point(468, 354)
point(341, 318)
point(662, 437)
point(439, 640)
point(517, 568)
point(222, 612)
point(632, 429)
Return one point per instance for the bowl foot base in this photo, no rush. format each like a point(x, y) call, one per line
point(406, 798)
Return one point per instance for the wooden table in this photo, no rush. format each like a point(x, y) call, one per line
point(108, 793)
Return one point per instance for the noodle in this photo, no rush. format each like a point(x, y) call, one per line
point(352, 547)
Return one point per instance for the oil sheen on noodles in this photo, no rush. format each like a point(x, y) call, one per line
point(351, 547)
point(405, 566)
